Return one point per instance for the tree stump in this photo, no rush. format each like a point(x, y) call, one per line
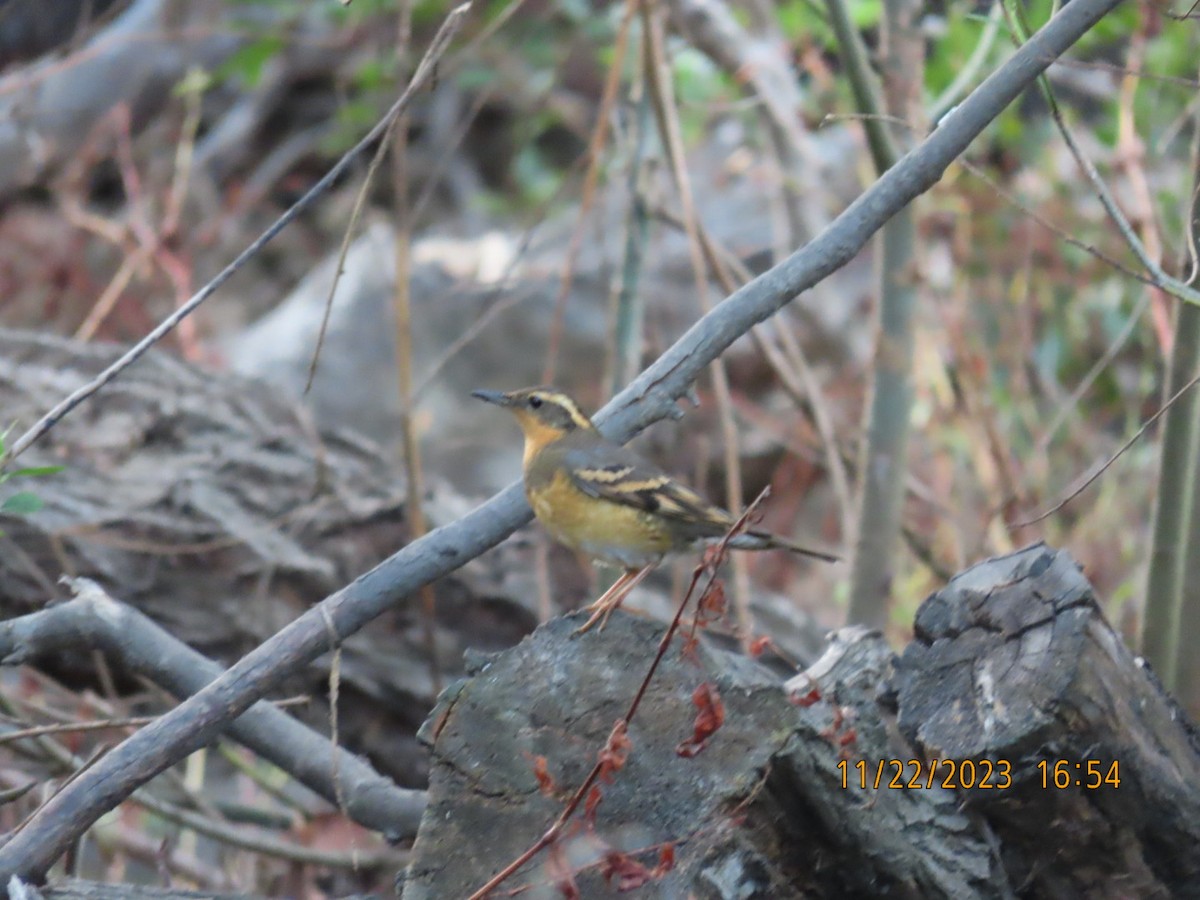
point(1014, 661)
point(940, 774)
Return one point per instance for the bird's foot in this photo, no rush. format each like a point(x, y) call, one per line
point(611, 599)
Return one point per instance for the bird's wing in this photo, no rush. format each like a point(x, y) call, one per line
point(620, 475)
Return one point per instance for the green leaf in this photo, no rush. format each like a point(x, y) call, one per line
point(248, 62)
point(22, 503)
point(472, 77)
point(375, 74)
point(793, 16)
point(696, 78)
point(866, 13)
point(36, 471)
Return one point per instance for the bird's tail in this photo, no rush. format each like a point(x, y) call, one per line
point(763, 540)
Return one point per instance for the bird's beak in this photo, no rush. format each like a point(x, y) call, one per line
point(497, 397)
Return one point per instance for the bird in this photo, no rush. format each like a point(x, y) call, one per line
point(607, 502)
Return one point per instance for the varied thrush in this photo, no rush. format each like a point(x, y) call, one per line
point(606, 501)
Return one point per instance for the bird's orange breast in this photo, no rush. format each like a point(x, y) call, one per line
point(611, 532)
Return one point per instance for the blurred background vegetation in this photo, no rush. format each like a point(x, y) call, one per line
point(1036, 350)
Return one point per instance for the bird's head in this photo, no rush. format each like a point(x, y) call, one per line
point(544, 414)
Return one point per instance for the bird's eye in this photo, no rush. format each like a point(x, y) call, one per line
point(535, 402)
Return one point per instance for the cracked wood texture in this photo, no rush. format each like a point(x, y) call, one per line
point(1012, 661)
point(760, 811)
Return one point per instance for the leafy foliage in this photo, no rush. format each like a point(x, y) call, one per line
point(21, 503)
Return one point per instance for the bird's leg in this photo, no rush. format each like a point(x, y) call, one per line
point(611, 599)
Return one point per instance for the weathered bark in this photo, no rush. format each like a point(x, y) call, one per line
point(1014, 661)
point(1013, 665)
point(760, 811)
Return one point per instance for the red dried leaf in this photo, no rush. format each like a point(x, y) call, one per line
point(666, 861)
point(805, 700)
point(630, 873)
point(615, 752)
point(541, 771)
point(759, 646)
point(595, 795)
point(690, 647)
point(559, 868)
point(840, 732)
point(712, 604)
point(709, 718)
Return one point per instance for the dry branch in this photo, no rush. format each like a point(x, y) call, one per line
point(95, 621)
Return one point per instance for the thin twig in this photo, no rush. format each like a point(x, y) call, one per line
point(246, 839)
point(184, 155)
point(414, 490)
point(970, 69)
point(865, 85)
point(112, 292)
point(1112, 459)
point(31, 731)
point(662, 93)
point(501, 297)
point(1158, 277)
point(630, 314)
point(587, 195)
point(100, 622)
point(394, 117)
point(1131, 156)
point(759, 63)
point(209, 822)
point(1052, 227)
point(798, 379)
point(1068, 405)
point(152, 245)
